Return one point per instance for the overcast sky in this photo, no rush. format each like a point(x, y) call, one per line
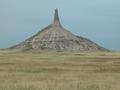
point(98, 20)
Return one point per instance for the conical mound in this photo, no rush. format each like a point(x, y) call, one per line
point(55, 37)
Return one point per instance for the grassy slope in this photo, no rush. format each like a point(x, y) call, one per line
point(59, 71)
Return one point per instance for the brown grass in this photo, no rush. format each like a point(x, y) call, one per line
point(59, 71)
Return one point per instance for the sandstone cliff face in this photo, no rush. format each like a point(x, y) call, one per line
point(55, 37)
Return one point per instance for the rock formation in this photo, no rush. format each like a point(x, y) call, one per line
point(56, 37)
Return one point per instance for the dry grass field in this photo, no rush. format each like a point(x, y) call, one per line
point(59, 70)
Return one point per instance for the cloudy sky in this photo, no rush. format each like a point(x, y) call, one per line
point(98, 20)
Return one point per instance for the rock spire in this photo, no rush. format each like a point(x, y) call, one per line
point(56, 37)
point(56, 21)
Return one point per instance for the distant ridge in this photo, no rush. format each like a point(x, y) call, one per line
point(56, 37)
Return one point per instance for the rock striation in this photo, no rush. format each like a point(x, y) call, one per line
point(56, 37)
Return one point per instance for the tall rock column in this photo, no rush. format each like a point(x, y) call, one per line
point(56, 22)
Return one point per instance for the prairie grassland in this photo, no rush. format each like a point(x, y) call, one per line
point(59, 71)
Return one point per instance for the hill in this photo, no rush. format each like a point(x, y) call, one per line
point(56, 37)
